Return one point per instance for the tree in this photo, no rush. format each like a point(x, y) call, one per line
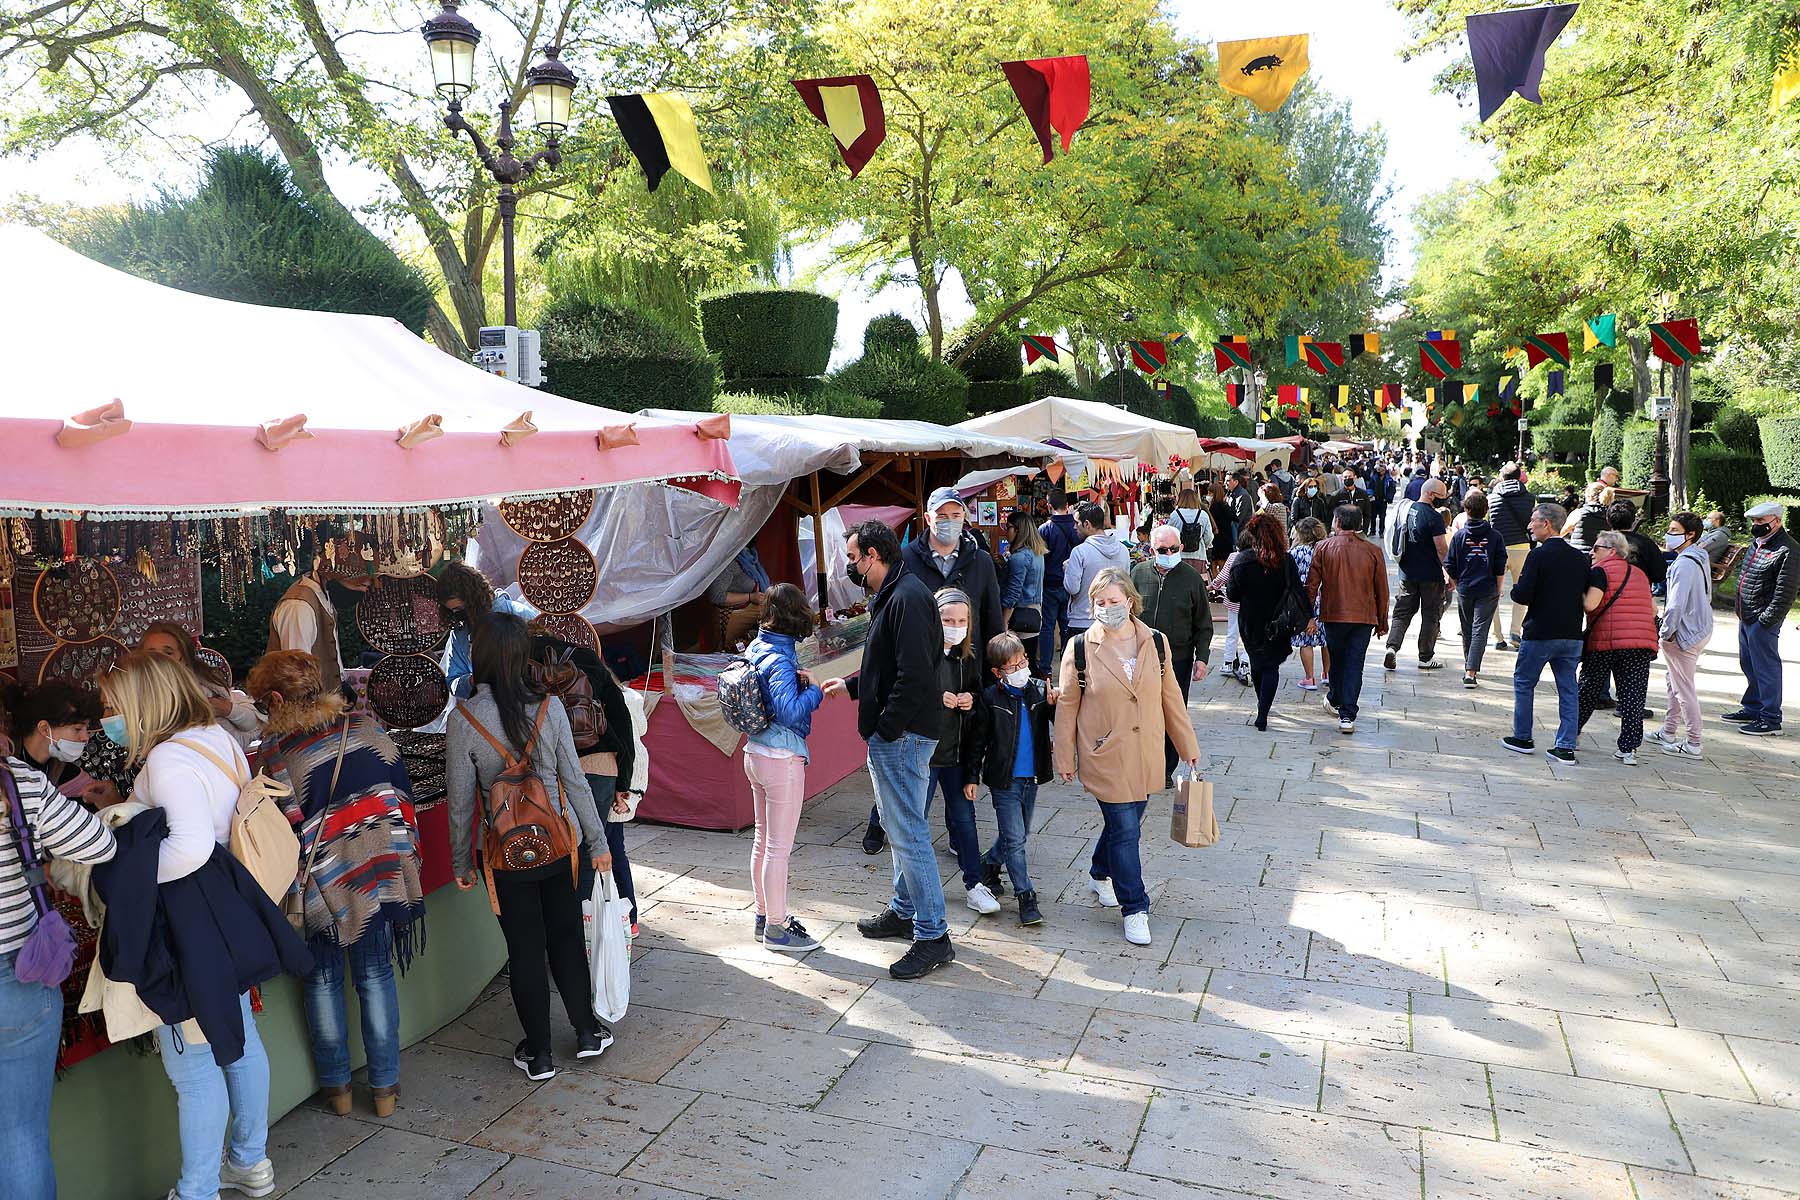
point(248, 234)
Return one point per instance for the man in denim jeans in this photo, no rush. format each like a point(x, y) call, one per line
point(1551, 585)
point(899, 705)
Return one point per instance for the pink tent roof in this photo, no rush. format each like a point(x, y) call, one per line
point(124, 397)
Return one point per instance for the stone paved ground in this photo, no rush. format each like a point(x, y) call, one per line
point(1416, 964)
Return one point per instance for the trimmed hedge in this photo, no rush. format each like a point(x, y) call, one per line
point(780, 385)
point(1637, 463)
point(827, 402)
point(1726, 475)
point(890, 331)
point(998, 357)
point(758, 334)
point(1050, 381)
point(908, 386)
point(1781, 450)
point(1561, 439)
point(615, 358)
point(1737, 429)
point(1139, 396)
point(1607, 444)
point(994, 395)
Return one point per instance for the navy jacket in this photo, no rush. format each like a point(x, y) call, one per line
point(1060, 536)
point(193, 945)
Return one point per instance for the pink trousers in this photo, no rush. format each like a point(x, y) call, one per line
point(777, 789)
point(1684, 696)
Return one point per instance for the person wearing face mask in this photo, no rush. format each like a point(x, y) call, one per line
point(50, 726)
point(232, 707)
point(1309, 502)
point(1100, 549)
point(1009, 749)
point(465, 598)
point(1715, 539)
point(305, 618)
point(1766, 585)
point(1687, 625)
point(1621, 639)
point(960, 681)
point(1173, 601)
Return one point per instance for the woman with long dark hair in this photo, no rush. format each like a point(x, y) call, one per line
point(539, 910)
point(1260, 574)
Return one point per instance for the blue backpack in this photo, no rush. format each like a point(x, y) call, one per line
point(741, 697)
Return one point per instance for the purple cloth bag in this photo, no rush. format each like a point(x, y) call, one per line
point(48, 954)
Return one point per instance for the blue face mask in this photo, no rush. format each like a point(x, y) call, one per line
point(114, 729)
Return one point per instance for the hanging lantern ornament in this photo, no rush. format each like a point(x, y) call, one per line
point(452, 38)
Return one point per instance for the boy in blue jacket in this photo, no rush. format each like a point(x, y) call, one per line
point(1009, 748)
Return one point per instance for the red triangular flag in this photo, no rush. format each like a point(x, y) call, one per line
point(1440, 357)
point(1553, 347)
point(849, 106)
point(1039, 345)
point(1149, 357)
point(1675, 342)
point(1324, 356)
point(1054, 92)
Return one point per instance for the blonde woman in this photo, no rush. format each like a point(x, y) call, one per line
point(1117, 697)
point(192, 770)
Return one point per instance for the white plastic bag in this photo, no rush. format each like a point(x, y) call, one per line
point(609, 953)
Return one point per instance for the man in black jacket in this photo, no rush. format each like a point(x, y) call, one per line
point(949, 556)
point(1552, 586)
point(1766, 585)
point(899, 705)
point(1510, 512)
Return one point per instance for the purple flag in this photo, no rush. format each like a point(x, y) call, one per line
point(1508, 48)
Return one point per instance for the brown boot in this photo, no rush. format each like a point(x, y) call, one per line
point(384, 1098)
point(338, 1098)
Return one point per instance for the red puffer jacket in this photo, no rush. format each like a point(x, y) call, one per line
point(1629, 622)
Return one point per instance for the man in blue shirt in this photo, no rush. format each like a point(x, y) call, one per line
point(1422, 578)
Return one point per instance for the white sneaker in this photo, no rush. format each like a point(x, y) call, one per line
point(1683, 750)
point(1137, 929)
point(982, 900)
point(1346, 725)
point(1103, 888)
point(258, 1180)
point(1657, 737)
point(1626, 757)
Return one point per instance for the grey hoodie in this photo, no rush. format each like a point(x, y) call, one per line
point(1087, 560)
point(1687, 615)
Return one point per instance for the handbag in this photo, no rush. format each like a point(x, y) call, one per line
point(609, 949)
point(293, 905)
point(48, 955)
point(1027, 620)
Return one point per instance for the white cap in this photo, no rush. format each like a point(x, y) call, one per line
point(1769, 508)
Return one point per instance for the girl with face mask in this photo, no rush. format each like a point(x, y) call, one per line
point(1685, 628)
point(960, 681)
point(51, 724)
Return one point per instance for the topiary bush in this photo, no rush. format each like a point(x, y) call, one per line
point(908, 386)
point(1607, 442)
point(615, 358)
point(1567, 440)
point(1781, 450)
point(997, 357)
point(1139, 396)
point(891, 331)
point(1726, 474)
point(769, 332)
point(1736, 429)
point(826, 401)
point(1050, 381)
point(994, 395)
point(1637, 461)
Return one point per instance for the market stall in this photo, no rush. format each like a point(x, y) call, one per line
point(214, 437)
point(1098, 432)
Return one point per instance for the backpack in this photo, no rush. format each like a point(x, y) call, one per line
point(1081, 671)
point(1399, 526)
point(1193, 533)
point(262, 837)
point(519, 828)
point(558, 676)
point(741, 698)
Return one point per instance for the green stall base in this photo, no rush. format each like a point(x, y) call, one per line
point(121, 1100)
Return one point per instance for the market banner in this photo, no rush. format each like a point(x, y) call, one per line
point(1440, 357)
point(1600, 331)
point(1676, 342)
point(659, 128)
point(1040, 345)
point(1055, 94)
point(1551, 346)
point(1232, 352)
point(1325, 356)
point(1508, 50)
point(1263, 70)
point(850, 107)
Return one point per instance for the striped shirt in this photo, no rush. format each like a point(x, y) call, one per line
point(60, 828)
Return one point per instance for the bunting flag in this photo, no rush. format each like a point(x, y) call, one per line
point(1440, 357)
point(1340, 404)
point(1493, 410)
point(1509, 393)
point(850, 107)
point(1263, 70)
point(1287, 399)
point(1296, 347)
point(1149, 357)
point(1555, 387)
point(1603, 380)
point(1787, 78)
point(1232, 352)
point(1599, 331)
point(1453, 391)
point(1040, 345)
point(1325, 356)
point(1440, 335)
point(1388, 396)
point(1508, 50)
point(1511, 352)
point(1676, 342)
point(1430, 400)
point(1234, 395)
point(1364, 343)
point(1551, 346)
point(1054, 92)
point(659, 128)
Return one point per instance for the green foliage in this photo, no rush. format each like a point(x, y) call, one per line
point(247, 233)
point(828, 402)
point(796, 386)
point(241, 634)
point(1607, 445)
point(1565, 440)
point(908, 386)
point(997, 356)
point(1182, 407)
point(1139, 396)
point(994, 395)
point(1768, 402)
point(1726, 475)
point(1781, 450)
point(769, 332)
point(602, 355)
point(1637, 459)
point(891, 331)
point(1050, 381)
point(1736, 428)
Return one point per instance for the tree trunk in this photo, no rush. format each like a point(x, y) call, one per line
point(1639, 346)
point(1680, 426)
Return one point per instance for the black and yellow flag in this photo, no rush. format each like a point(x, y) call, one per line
point(1263, 70)
point(659, 127)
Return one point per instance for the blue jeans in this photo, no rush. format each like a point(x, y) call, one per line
point(213, 1101)
point(1116, 855)
point(1564, 658)
point(604, 788)
point(1348, 645)
point(1013, 807)
point(1759, 657)
point(30, 1028)
point(901, 771)
point(1056, 616)
point(959, 822)
point(372, 974)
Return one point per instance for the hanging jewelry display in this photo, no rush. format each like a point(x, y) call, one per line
point(174, 596)
point(558, 577)
point(407, 690)
point(401, 616)
point(76, 601)
point(79, 662)
point(549, 519)
point(571, 628)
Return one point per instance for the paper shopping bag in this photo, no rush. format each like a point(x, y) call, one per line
point(1193, 823)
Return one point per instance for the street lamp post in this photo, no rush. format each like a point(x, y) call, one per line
point(1124, 348)
point(550, 85)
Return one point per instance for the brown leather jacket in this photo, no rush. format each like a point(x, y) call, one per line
point(1348, 581)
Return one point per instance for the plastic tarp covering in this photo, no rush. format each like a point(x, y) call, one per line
point(1096, 430)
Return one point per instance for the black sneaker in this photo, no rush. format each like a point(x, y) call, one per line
point(1561, 754)
point(873, 840)
point(1648, 712)
point(762, 923)
point(1503, 644)
point(990, 875)
point(1389, 661)
point(537, 1067)
point(1742, 716)
point(1519, 745)
point(885, 924)
point(1761, 729)
point(924, 958)
point(1029, 913)
point(592, 1045)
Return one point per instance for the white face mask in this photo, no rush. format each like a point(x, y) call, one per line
point(1167, 560)
point(1674, 541)
point(947, 531)
point(1111, 615)
point(66, 750)
point(954, 634)
point(1018, 678)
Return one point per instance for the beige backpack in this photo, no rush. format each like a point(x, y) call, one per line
point(261, 836)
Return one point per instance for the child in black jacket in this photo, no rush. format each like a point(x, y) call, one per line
point(1007, 745)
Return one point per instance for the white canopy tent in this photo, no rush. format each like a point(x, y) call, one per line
point(1094, 430)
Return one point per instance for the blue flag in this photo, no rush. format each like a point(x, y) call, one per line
point(1508, 48)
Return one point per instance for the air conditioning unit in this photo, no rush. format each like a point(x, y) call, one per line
point(511, 353)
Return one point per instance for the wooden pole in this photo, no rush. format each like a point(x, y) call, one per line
point(818, 521)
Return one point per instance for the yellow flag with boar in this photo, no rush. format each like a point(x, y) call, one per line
point(1264, 70)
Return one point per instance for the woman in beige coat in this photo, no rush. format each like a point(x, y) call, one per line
point(1109, 730)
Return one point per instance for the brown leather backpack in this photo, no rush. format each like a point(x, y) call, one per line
point(520, 829)
point(557, 675)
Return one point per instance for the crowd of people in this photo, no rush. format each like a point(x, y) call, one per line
point(1067, 653)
